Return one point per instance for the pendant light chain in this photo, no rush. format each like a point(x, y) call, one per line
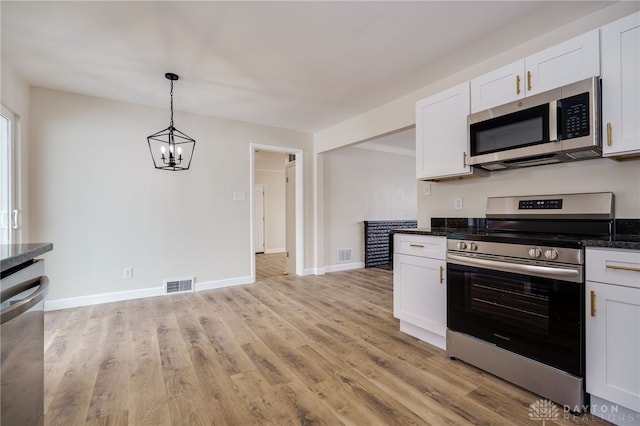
point(171, 94)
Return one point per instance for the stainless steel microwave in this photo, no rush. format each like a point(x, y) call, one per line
point(557, 126)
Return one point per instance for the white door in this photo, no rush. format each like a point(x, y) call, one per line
point(258, 217)
point(8, 211)
point(290, 218)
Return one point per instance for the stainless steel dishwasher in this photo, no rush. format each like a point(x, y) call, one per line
point(22, 346)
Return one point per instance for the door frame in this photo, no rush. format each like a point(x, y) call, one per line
point(299, 202)
point(262, 213)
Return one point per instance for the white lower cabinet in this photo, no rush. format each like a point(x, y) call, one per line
point(613, 334)
point(419, 286)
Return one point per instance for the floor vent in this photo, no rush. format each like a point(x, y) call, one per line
point(344, 255)
point(178, 285)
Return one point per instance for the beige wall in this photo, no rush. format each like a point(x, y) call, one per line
point(269, 167)
point(97, 197)
point(600, 175)
point(359, 185)
point(14, 95)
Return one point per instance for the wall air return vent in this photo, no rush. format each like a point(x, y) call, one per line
point(344, 255)
point(178, 285)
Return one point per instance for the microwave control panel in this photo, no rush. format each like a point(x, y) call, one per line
point(573, 115)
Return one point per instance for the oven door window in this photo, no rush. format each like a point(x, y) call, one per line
point(538, 318)
point(515, 130)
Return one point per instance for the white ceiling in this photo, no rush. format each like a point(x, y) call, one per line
point(301, 65)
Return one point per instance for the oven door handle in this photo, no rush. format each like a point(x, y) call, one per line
point(547, 271)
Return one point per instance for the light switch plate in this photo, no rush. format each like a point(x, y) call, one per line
point(457, 203)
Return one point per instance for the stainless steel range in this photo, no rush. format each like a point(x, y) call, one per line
point(515, 295)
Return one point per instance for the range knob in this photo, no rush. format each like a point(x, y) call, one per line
point(473, 246)
point(551, 254)
point(461, 245)
point(534, 252)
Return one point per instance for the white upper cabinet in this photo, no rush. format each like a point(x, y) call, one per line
point(564, 63)
point(441, 134)
point(570, 61)
point(621, 87)
point(498, 87)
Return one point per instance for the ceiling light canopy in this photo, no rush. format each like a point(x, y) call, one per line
point(170, 148)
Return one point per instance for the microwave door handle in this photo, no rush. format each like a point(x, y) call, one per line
point(553, 121)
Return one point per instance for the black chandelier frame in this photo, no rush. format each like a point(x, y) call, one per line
point(171, 143)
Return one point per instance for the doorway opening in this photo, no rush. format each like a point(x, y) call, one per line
point(276, 202)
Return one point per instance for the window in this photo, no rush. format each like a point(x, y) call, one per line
point(8, 211)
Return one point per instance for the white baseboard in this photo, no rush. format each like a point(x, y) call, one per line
point(212, 285)
point(275, 250)
point(119, 296)
point(96, 299)
point(314, 271)
point(344, 266)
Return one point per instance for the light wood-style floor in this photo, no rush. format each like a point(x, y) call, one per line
point(316, 350)
point(269, 265)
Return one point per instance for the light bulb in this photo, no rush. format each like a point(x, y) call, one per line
point(162, 149)
point(179, 150)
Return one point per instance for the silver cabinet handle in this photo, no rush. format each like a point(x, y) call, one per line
point(416, 245)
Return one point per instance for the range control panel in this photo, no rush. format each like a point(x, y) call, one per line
point(540, 204)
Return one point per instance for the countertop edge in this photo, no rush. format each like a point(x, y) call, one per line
point(625, 245)
point(25, 256)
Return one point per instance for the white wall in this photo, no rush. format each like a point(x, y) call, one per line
point(14, 95)
point(360, 184)
point(97, 197)
point(269, 171)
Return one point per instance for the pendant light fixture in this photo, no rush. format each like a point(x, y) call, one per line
point(170, 148)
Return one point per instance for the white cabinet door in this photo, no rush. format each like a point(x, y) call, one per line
point(621, 86)
point(419, 295)
point(613, 326)
point(441, 134)
point(613, 344)
point(498, 87)
point(564, 63)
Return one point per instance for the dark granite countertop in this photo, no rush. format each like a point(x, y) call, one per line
point(618, 241)
point(12, 255)
point(439, 232)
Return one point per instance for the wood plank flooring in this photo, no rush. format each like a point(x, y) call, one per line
point(269, 265)
point(316, 350)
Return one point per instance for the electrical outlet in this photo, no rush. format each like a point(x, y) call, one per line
point(127, 273)
point(457, 203)
point(239, 196)
point(427, 189)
